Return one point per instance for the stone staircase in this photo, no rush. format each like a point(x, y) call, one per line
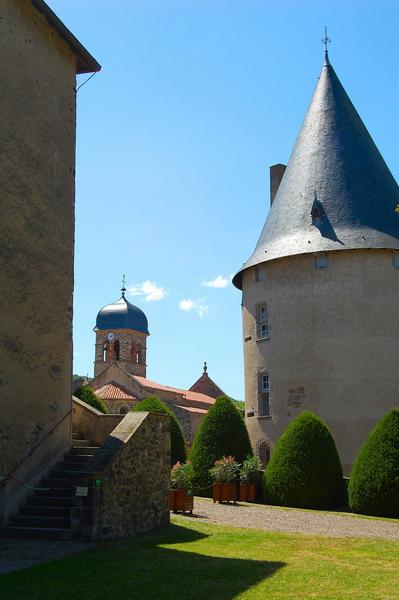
point(47, 511)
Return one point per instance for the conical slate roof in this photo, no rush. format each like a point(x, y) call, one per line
point(337, 193)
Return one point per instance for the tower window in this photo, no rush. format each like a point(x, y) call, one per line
point(395, 260)
point(259, 275)
point(264, 395)
point(321, 260)
point(116, 350)
point(106, 352)
point(262, 323)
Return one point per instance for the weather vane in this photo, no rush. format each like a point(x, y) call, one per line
point(123, 290)
point(326, 40)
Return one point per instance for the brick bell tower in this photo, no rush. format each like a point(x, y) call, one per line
point(121, 337)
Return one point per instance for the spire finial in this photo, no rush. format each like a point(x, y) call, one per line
point(123, 289)
point(326, 40)
point(205, 368)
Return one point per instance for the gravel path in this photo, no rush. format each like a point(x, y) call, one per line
point(258, 516)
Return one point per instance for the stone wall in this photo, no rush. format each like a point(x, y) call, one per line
point(93, 424)
point(37, 180)
point(332, 348)
point(132, 467)
point(127, 339)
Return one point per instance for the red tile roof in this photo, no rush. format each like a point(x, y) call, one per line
point(206, 385)
point(113, 391)
point(193, 396)
point(192, 409)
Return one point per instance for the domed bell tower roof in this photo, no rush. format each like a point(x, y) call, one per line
point(337, 193)
point(122, 315)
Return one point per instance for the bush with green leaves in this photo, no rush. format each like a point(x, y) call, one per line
point(178, 446)
point(181, 476)
point(251, 470)
point(86, 394)
point(221, 433)
point(304, 470)
point(225, 470)
point(374, 481)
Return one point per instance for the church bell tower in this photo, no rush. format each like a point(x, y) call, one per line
point(121, 337)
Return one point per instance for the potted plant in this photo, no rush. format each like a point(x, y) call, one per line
point(250, 474)
point(225, 475)
point(181, 494)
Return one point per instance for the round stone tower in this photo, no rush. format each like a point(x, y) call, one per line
point(320, 293)
point(121, 337)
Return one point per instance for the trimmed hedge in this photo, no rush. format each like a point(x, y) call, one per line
point(374, 482)
point(304, 470)
point(86, 394)
point(178, 446)
point(221, 433)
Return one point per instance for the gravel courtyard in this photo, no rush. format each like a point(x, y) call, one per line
point(262, 517)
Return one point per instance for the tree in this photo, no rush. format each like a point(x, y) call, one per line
point(86, 394)
point(374, 481)
point(178, 446)
point(304, 470)
point(221, 433)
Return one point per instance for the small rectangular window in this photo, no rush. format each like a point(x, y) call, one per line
point(395, 260)
point(321, 260)
point(264, 395)
point(259, 275)
point(262, 324)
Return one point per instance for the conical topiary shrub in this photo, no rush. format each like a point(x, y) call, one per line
point(86, 394)
point(304, 469)
point(177, 444)
point(221, 433)
point(374, 481)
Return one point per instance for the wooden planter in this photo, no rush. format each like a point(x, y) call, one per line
point(180, 501)
point(247, 492)
point(225, 492)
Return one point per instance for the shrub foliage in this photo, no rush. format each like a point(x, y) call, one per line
point(178, 446)
point(304, 469)
point(221, 433)
point(86, 394)
point(374, 482)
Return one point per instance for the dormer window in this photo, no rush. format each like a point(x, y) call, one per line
point(321, 260)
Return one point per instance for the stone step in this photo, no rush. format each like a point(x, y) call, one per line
point(56, 482)
point(80, 443)
point(39, 501)
point(76, 435)
point(87, 450)
point(44, 533)
point(45, 511)
point(34, 521)
point(66, 492)
point(75, 459)
point(62, 473)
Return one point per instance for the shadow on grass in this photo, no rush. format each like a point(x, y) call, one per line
point(144, 568)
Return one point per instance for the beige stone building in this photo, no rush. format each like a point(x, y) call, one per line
point(320, 293)
point(120, 369)
point(40, 59)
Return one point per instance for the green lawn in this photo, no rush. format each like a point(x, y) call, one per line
point(193, 560)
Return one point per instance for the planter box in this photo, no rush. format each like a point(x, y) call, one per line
point(225, 492)
point(179, 500)
point(247, 492)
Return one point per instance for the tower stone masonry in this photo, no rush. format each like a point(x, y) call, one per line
point(320, 293)
point(121, 337)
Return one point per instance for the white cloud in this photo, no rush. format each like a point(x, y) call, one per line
point(199, 306)
point(150, 290)
point(218, 282)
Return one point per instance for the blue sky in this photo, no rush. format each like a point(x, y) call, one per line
point(196, 99)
